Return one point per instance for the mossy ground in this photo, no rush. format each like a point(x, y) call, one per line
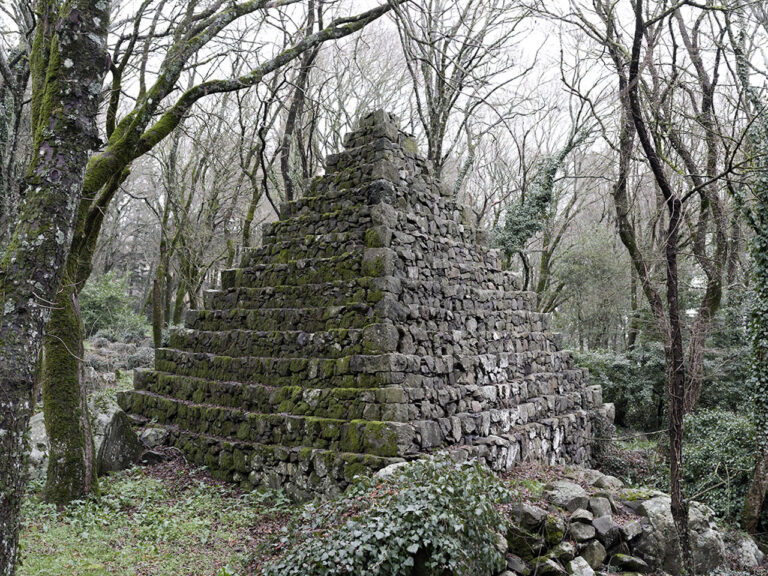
point(164, 520)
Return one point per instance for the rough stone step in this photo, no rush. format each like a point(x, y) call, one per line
point(433, 294)
point(355, 218)
point(315, 319)
point(379, 438)
point(310, 246)
point(279, 343)
point(326, 294)
point(515, 392)
point(374, 338)
point(303, 472)
point(420, 320)
point(343, 266)
point(340, 403)
point(363, 261)
point(360, 371)
point(409, 246)
point(504, 421)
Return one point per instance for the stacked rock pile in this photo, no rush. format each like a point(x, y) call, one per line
point(371, 326)
point(597, 526)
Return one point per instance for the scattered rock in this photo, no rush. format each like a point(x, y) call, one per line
point(607, 531)
point(501, 543)
point(659, 545)
point(631, 530)
point(629, 563)
point(580, 567)
point(152, 457)
point(548, 567)
point(152, 437)
point(528, 516)
point(594, 553)
point(516, 565)
point(582, 515)
point(566, 495)
point(554, 530)
point(582, 532)
point(608, 483)
point(527, 545)
point(743, 547)
point(600, 506)
point(564, 552)
point(115, 444)
point(387, 471)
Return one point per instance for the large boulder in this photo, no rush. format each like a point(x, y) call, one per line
point(115, 444)
point(659, 545)
point(743, 547)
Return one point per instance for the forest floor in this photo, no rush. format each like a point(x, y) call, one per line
point(163, 520)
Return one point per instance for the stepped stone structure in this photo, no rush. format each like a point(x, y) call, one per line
point(372, 325)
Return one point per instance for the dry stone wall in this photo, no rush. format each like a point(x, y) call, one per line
point(372, 325)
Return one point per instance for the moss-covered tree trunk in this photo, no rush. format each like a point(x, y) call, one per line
point(68, 63)
point(71, 463)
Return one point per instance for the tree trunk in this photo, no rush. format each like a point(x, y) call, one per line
point(65, 105)
point(71, 463)
point(157, 311)
point(633, 330)
point(758, 487)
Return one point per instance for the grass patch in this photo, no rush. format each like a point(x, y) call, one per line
point(166, 520)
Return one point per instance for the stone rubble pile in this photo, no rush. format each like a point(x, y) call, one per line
point(609, 529)
point(371, 326)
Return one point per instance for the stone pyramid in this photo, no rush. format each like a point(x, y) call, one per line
point(371, 326)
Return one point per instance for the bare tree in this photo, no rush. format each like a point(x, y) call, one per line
point(456, 54)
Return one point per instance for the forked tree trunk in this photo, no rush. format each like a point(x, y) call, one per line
point(64, 106)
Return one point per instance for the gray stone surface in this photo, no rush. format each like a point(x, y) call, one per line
point(564, 552)
point(528, 516)
point(744, 548)
point(600, 506)
point(153, 437)
point(631, 530)
point(115, 444)
point(581, 532)
point(608, 483)
point(566, 495)
point(594, 553)
point(548, 567)
point(38, 447)
point(582, 515)
point(580, 567)
point(659, 545)
point(516, 565)
point(607, 531)
point(629, 563)
point(114, 441)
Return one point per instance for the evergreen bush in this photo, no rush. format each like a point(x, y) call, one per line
point(430, 517)
point(718, 459)
point(107, 309)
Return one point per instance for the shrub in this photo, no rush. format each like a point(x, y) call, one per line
point(432, 516)
point(635, 382)
point(718, 459)
point(107, 309)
